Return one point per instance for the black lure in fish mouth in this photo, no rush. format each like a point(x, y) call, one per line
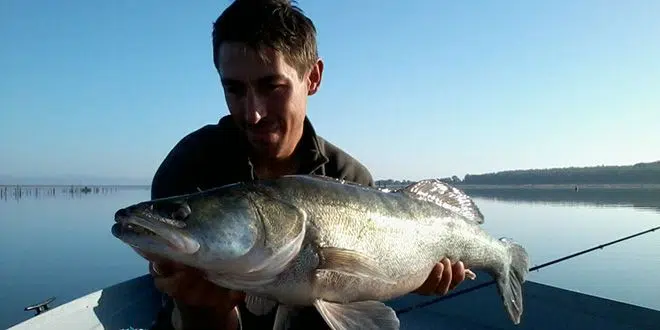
point(146, 226)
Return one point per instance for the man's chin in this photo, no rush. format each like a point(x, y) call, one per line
point(265, 148)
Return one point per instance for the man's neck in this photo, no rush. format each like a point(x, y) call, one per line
point(269, 168)
point(274, 167)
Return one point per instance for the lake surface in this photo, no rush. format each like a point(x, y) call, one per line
point(56, 242)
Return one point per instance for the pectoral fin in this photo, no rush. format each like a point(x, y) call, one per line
point(363, 315)
point(352, 263)
point(259, 305)
point(283, 317)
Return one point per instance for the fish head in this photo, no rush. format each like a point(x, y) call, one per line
point(196, 229)
point(226, 229)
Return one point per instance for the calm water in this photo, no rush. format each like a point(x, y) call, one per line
point(58, 243)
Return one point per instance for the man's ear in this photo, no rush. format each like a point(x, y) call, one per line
point(315, 75)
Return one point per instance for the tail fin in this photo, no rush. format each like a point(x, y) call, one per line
point(509, 283)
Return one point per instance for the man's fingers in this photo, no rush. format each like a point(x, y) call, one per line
point(190, 289)
point(236, 297)
point(148, 256)
point(229, 298)
point(160, 270)
point(168, 284)
point(428, 287)
point(164, 268)
point(458, 274)
point(445, 280)
point(445, 277)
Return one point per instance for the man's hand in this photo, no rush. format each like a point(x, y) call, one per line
point(444, 277)
point(188, 285)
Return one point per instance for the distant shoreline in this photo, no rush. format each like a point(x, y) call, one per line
point(613, 186)
point(627, 176)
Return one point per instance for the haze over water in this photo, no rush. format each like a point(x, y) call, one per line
point(59, 243)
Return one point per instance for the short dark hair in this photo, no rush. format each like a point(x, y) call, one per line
point(275, 24)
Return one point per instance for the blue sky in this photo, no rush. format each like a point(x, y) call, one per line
point(413, 89)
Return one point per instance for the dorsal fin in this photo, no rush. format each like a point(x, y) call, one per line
point(446, 196)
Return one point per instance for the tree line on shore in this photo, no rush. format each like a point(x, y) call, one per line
point(640, 173)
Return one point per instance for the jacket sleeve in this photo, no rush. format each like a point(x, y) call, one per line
point(358, 173)
point(343, 166)
point(175, 175)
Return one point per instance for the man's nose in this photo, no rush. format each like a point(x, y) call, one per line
point(255, 108)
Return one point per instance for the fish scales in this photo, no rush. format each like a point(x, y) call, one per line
point(399, 233)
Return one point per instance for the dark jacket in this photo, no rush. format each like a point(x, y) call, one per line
point(216, 155)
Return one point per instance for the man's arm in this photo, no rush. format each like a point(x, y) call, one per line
point(343, 166)
point(360, 174)
point(173, 176)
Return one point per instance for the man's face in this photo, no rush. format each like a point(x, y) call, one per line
point(267, 99)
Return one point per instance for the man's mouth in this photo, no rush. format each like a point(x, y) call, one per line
point(263, 129)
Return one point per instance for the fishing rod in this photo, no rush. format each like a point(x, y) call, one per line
point(477, 287)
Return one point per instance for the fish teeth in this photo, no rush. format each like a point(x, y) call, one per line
point(138, 229)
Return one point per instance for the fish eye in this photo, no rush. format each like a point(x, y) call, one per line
point(182, 212)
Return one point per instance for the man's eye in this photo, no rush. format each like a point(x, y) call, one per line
point(272, 86)
point(236, 90)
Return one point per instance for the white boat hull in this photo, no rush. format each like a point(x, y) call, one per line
point(135, 303)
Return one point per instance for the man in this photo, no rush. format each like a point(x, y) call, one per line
point(266, 56)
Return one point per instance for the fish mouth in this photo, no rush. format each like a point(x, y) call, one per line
point(144, 234)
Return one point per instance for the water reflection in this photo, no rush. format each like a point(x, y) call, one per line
point(17, 193)
point(642, 197)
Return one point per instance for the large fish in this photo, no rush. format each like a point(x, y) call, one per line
point(309, 240)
